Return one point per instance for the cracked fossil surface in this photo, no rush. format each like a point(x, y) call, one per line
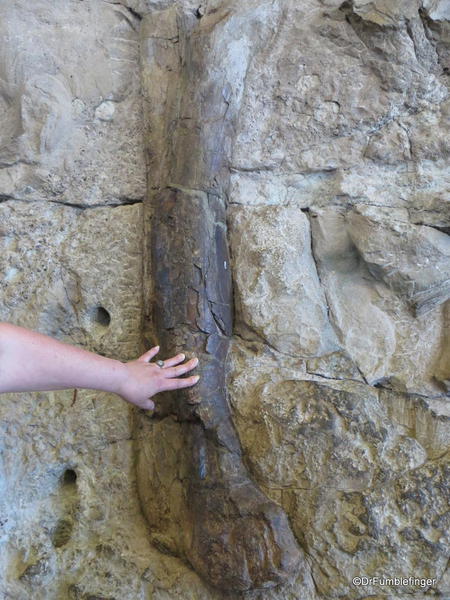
point(236, 537)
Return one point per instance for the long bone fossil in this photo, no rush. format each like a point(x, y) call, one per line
point(239, 539)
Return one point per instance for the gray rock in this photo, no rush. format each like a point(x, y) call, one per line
point(54, 81)
point(412, 260)
point(386, 12)
point(375, 324)
point(438, 10)
point(277, 290)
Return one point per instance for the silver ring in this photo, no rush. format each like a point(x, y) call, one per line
point(160, 363)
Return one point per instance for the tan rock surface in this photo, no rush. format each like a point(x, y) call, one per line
point(277, 290)
point(70, 517)
point(70, 103)
point(338, 219)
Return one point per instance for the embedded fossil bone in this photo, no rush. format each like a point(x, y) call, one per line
point(238, 538)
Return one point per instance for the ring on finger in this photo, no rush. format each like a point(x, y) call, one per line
point(160, 363)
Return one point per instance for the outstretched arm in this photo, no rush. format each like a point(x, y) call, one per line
point(31, 361)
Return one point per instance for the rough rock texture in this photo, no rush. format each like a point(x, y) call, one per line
point(323, 126)
point(70, 520)
point(70, 112)
point(275, 276)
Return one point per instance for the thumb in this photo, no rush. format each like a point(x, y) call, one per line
point(148, 405)
point(147, 356)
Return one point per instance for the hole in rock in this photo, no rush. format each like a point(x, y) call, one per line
point(101, 316)
point(200, 11)
point(69, 477)
point(62, 532)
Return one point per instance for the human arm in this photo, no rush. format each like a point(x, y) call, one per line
point(32, 361)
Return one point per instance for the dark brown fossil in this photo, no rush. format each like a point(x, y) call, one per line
point(238, 538)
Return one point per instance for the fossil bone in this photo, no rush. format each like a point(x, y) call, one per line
point(238, 538)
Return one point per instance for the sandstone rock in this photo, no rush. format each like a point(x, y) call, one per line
point(70, 523)
point(93, 296)
point(324, 111)
point(298, 116)
point(366, 312)
point(278, 294)
point(53, 144)
point(349, 467)
point(67, 470)
point(412, 260)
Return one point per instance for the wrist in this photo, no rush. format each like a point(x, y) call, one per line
point(117, 377)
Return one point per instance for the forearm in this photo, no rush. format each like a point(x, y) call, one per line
point(33, 361)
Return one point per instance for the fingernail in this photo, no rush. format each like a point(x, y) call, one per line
point(183, 356)
point(197, 377)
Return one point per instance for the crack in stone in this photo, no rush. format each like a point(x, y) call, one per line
point(335, 379)
point(442, 228)
point(124, 202)
point(132, 12)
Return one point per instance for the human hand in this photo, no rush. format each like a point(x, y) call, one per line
point(143, 379)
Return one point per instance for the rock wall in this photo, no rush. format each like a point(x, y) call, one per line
point(334, 170)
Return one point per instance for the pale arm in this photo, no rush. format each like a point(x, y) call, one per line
point(31, 361)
